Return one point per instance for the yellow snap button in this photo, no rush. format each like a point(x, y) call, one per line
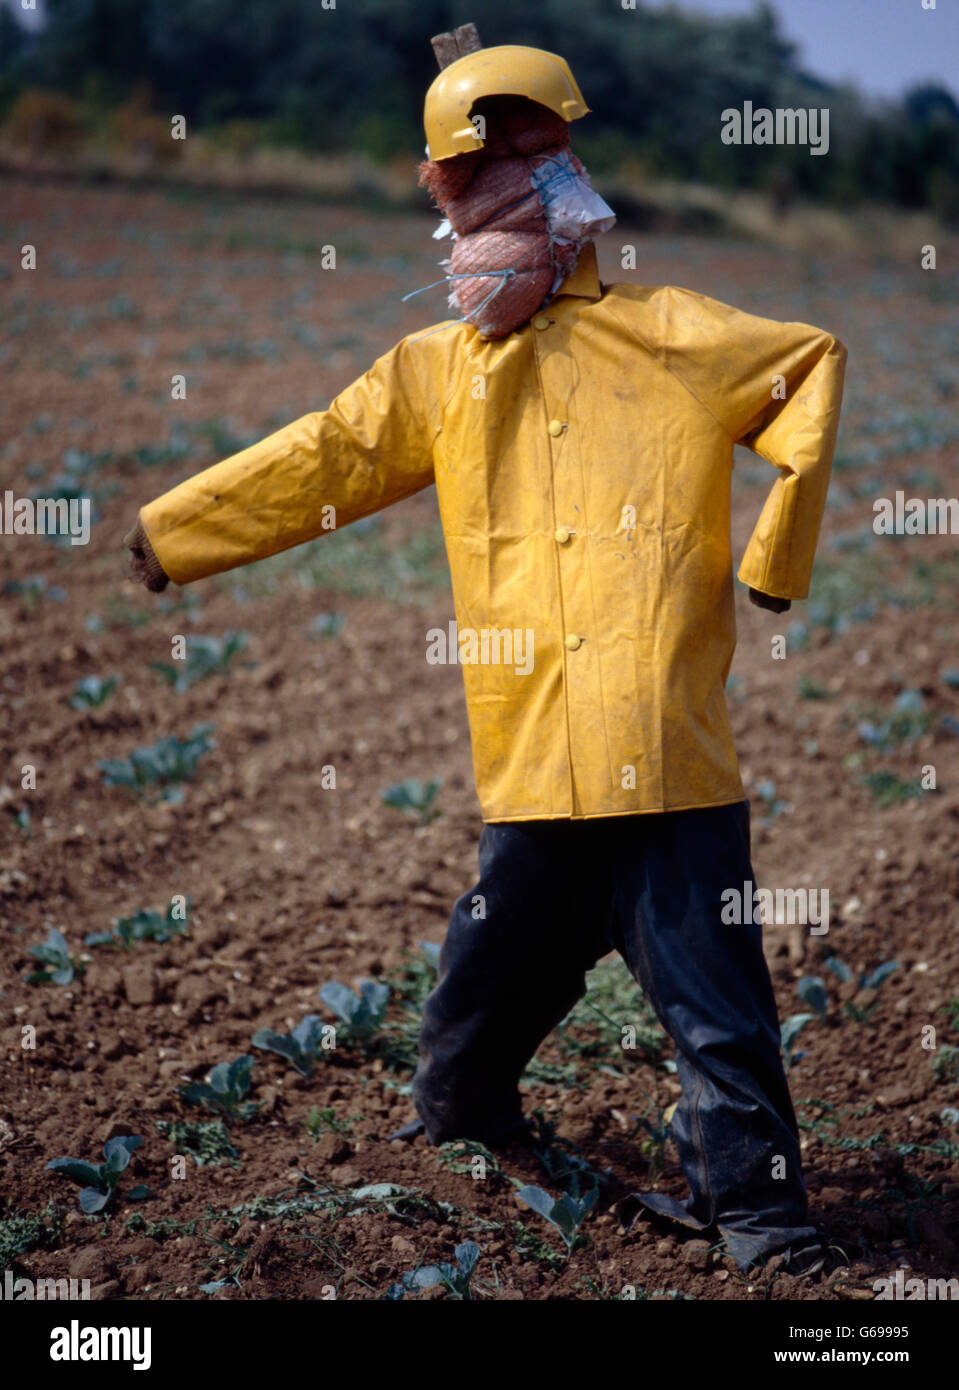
point(572, 642)
point(561, 535)
point(555, 427)
point(541, 322)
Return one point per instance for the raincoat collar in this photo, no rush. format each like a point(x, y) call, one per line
point(584, 280)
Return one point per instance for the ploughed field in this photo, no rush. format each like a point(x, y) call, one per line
point(271, 1183)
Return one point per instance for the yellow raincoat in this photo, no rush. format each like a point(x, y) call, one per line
point(582, 467)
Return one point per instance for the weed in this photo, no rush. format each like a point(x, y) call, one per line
point(101, 1179)
point(951, 1010)
point(55, 955)
point(161, 767)
point(206, 1141)
point(22, 1231)
point(325, 1122)
point(460, 1155)
point(411, 982)
point(657, 1135)
point(405, 1203)
point(534, 1247)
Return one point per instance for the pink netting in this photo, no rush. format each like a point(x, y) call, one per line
point(503, 247)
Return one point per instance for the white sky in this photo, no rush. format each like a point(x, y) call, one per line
point(883, 46)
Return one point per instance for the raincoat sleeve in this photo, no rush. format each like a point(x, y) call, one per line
point(777, 389)
point(372, 447)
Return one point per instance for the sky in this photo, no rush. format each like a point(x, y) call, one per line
point(882, 46)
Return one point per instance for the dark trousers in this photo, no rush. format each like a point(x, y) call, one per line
point(553, 897)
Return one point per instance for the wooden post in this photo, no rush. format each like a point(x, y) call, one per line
point(449, 47)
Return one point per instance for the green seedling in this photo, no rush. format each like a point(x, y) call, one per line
point(362, 1013)
point(161, 767)
point(93, 691)
point(870, 979)
point(789, 1032)
point(454, 1278)
point(811, 690)
point(100, 1179)
point(223, 1090)
point(773, 805)
point(21, 820)
point(117, 613)
point(177, 447)
point(655, 1138)
point(563, 1162)
point(144, 925)
point(54, 953)
point(887, 788)
point(907, 722)
point(205, 656)
point(414, 798)
point(302, 1047)
point(326, 625)
point(33, 591)
point(945, 1064)
point(567, 1214)
point(812, 991)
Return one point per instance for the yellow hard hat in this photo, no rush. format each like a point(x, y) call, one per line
point(509, 70)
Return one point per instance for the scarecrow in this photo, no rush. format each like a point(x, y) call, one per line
point(584, 493)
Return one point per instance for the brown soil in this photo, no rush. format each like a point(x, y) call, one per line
point(294, 885)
